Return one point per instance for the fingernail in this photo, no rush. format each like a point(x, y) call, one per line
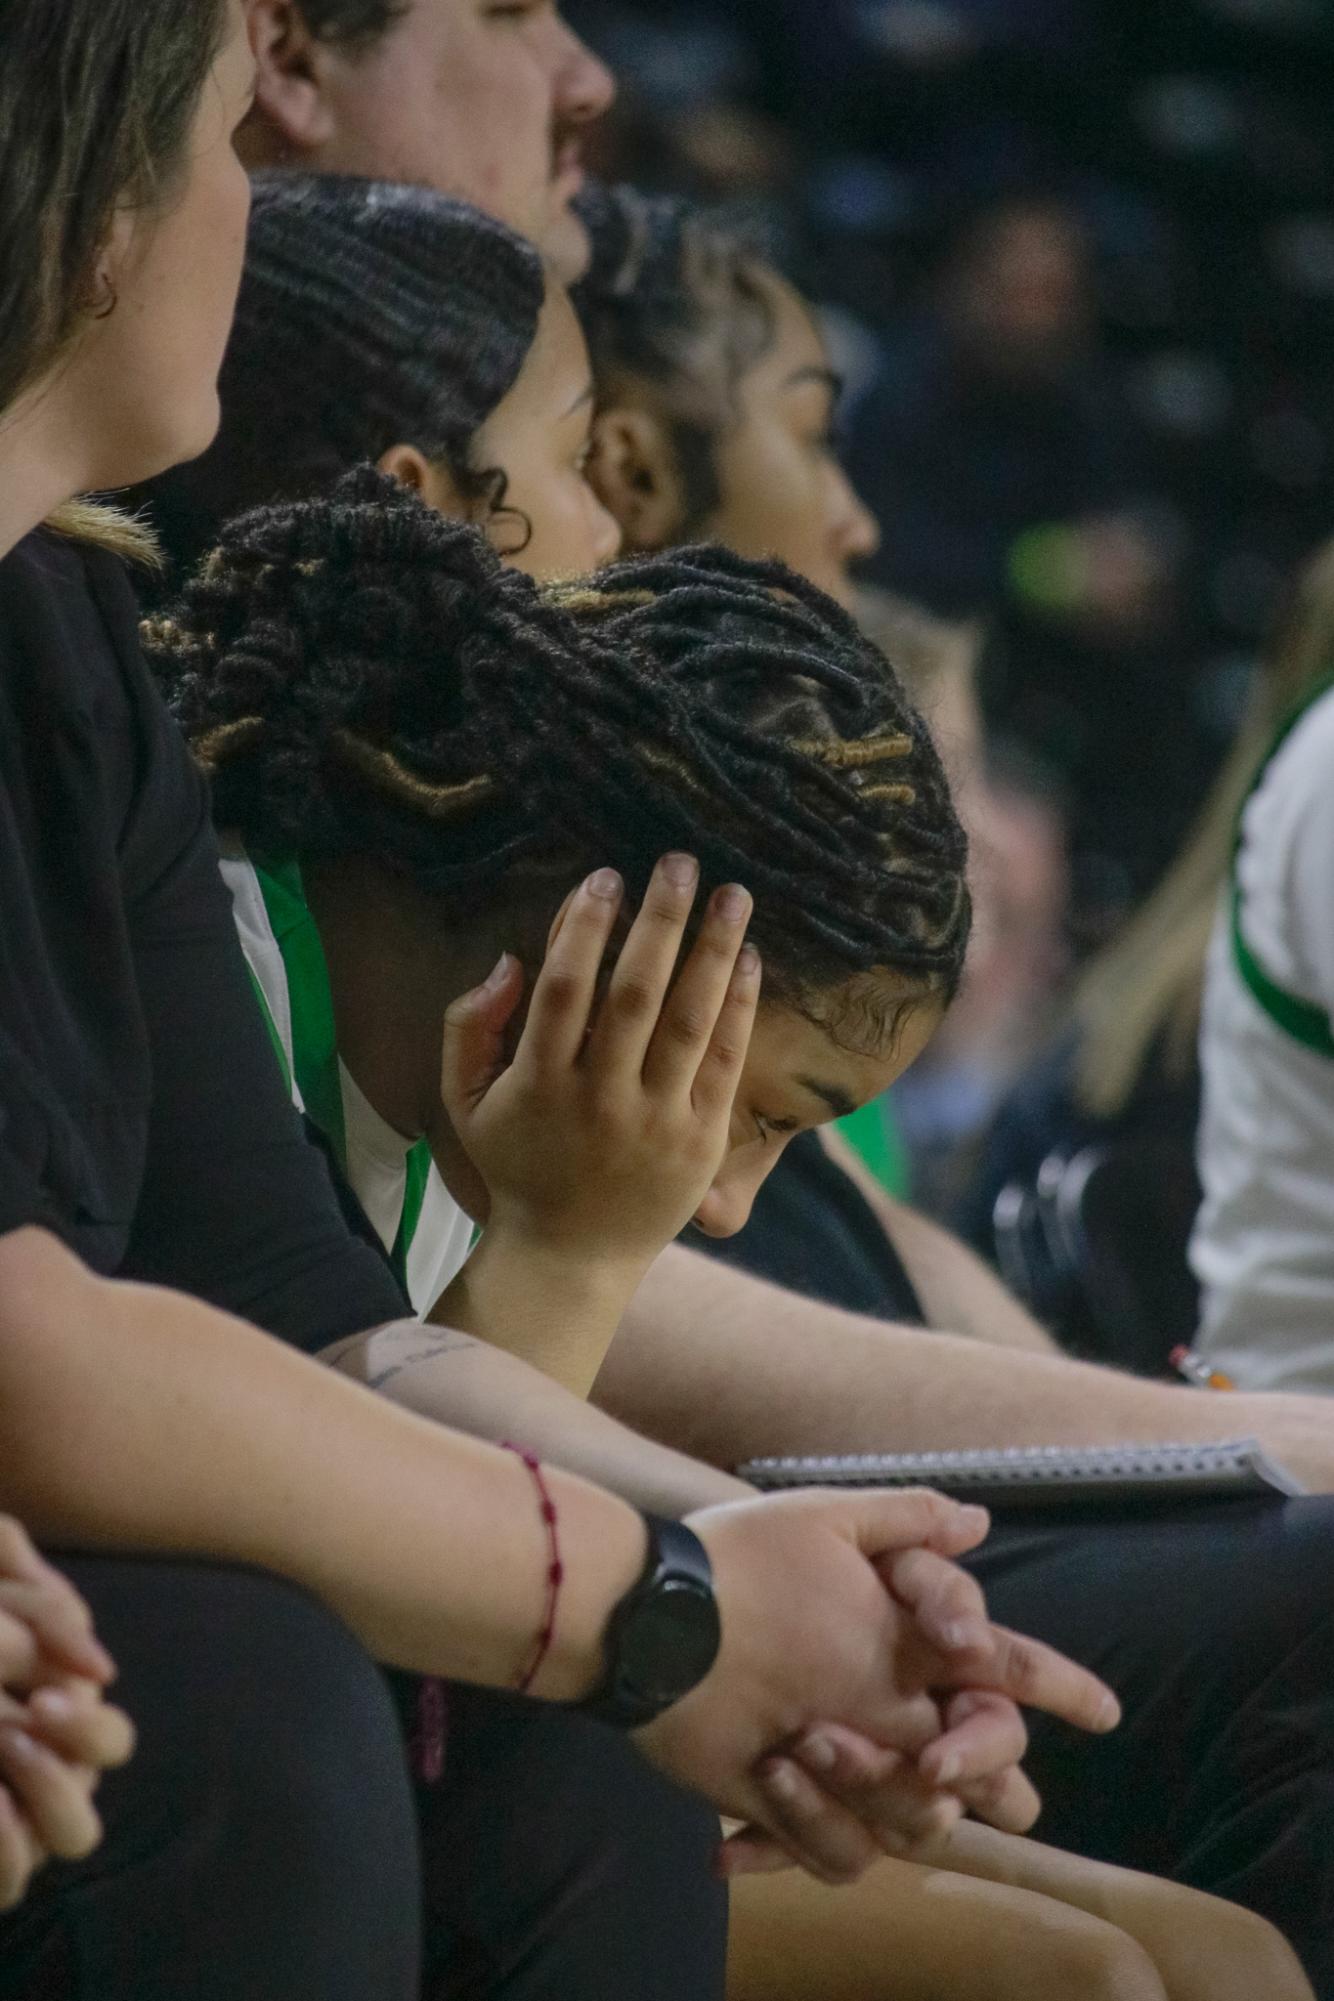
point(733, 903)
point(496, 978)
point(748, 961)
point(976, 1518)
point(1110, 1714)
point(682, 871)
point(604, 884)
point(966, 1636)
point(948, 1768)
point(20, 1744)
point(781, 1781)
point(821, 1752)
point(53, 1703)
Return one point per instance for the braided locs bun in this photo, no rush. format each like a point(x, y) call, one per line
point(360, 674)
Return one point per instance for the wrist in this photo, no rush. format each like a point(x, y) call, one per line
point(550, 1256)
point(605, 1547)
point(540, 1302)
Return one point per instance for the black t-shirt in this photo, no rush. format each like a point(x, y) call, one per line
point(143, 1118)
point(813, 1231)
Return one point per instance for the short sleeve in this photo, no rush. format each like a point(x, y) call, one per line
point(235, 1205)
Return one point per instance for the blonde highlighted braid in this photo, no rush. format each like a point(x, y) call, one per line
point(362, 675)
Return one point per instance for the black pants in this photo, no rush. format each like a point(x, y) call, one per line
point(263, 1843)
point(1216, 1628)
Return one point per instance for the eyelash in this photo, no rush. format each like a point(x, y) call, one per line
point(768, 1128)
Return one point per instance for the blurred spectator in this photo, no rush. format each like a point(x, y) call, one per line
point(1000, 456)
point(1121, 1077)
point(1016, 956)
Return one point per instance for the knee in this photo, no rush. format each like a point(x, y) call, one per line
point(315, 1737)
point(1239, 1955)
point(1098, 1962)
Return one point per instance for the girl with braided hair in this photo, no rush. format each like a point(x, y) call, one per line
point(447, 747)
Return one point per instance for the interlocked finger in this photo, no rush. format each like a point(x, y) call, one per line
point(821, 1834)
point(53, 1796)
point(1035, 1676)
point(887, 1793)
point(19, 1852)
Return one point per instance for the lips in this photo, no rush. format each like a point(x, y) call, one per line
point(567, 172)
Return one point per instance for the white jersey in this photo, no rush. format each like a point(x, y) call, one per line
point(382, 1166)
point(1263, 1247)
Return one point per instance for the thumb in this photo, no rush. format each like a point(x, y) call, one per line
point(473, 1046)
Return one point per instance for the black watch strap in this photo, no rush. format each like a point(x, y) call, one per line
point(664, 1636)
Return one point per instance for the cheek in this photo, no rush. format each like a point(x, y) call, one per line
point(498, 116)
point(771, 502)
point(570, 536)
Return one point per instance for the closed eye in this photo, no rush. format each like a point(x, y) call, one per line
point(770, 1128)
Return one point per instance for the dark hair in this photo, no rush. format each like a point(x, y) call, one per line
point(677, 307)
point(96, 103)
point(356, 24)
point(371, 314)
point(359, 674)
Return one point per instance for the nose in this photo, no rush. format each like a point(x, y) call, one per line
point(856, 529)
point(585, 87)
point(607, 537)
point(727, 1206)
point(724, 1211)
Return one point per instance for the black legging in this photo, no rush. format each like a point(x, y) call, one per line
point(263, 1844)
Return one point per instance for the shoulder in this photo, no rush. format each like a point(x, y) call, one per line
point(1293, 801)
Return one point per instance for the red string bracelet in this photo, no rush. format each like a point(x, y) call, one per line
point(555, 1569)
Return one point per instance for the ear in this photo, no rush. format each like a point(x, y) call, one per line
point(634, 473)
point(425, 477)
point(292, 108)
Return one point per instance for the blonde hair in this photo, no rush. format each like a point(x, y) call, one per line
point(101, 526)
point(1145, 987)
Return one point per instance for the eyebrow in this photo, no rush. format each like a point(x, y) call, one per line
point(839, 1103)
point(585, 396)
point(827, 378)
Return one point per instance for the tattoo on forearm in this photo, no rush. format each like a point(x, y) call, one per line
point(423, 1351)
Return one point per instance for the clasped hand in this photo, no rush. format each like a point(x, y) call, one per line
point(863, 1700)
point(57, 1734)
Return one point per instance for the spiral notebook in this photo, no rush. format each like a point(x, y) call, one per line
point(1052, 1476)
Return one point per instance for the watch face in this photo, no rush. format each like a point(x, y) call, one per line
point(670, 1641)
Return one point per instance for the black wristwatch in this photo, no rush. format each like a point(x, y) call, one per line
point(663, 1636)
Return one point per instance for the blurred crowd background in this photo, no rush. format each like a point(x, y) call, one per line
point(1076, 259)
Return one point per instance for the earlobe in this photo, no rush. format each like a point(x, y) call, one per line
point(290, 96)
point(635, 476)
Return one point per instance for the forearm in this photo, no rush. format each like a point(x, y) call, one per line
point(957, 1290)
point(135, 1419)
point(545, 1310)
point(725, 1367)
point(455, 1379)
